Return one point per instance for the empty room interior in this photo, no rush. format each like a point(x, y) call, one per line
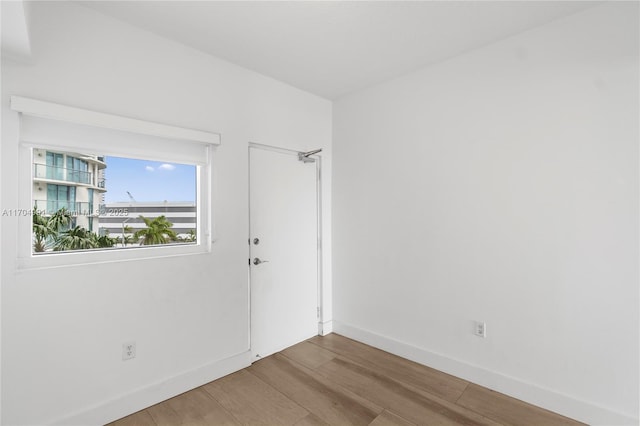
point(320, 213)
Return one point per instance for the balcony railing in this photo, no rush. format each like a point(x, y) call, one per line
point(49, 207)
point(44, 171)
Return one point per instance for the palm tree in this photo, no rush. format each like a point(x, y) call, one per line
point(103, 241)
point(42, 230)
point(60, 219)
point(45, 229)
point(77, 238)
point(127, 236)
point(158, 231)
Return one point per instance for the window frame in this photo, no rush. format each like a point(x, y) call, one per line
point(204, 186)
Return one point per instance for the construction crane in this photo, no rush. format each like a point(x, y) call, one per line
point(133, 200)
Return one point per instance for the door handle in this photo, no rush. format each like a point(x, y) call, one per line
point(257, 261)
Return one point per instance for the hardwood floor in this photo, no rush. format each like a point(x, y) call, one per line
point(333, 380)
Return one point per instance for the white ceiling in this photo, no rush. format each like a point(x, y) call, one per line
point(334, 48)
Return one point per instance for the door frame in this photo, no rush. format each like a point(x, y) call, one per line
point(319, 279)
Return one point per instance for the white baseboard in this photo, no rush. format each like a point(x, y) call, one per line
point(149, 395)
point(325, 328)
point(533, 394)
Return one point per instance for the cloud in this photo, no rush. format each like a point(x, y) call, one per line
point(167, 167)
point(149, 168)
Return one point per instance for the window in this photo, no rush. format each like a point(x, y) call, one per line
point(59, 197)
point(54, 167)
point(164, 212)
point(78, 170)
point(108, 188)
point(90, 197)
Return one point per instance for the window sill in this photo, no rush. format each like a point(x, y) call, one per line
point(92, 257)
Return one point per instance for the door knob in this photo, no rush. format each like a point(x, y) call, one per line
point(257, 261)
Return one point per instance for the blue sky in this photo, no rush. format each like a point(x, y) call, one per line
point(149, 180)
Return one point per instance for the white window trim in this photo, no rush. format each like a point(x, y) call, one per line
point(205, 188)
point(69, 114)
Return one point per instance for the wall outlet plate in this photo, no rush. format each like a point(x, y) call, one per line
point(128, 350)
point(480, 329)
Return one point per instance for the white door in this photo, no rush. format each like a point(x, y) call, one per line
point(283, 204)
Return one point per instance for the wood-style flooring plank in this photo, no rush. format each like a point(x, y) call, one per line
point(141, 418)
point(416, 406)
point(312, 420)
point(309, 355)
point(387, 418)
point(164, 415)
point(508, 410)
point(193, 408)
point(328, 401)
point(253, 402)
point(428, 379)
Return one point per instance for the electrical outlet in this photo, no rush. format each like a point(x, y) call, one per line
point(128, 350)
point(480, 329)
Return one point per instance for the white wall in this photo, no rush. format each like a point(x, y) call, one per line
point(62, 329)
point(501, 186)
